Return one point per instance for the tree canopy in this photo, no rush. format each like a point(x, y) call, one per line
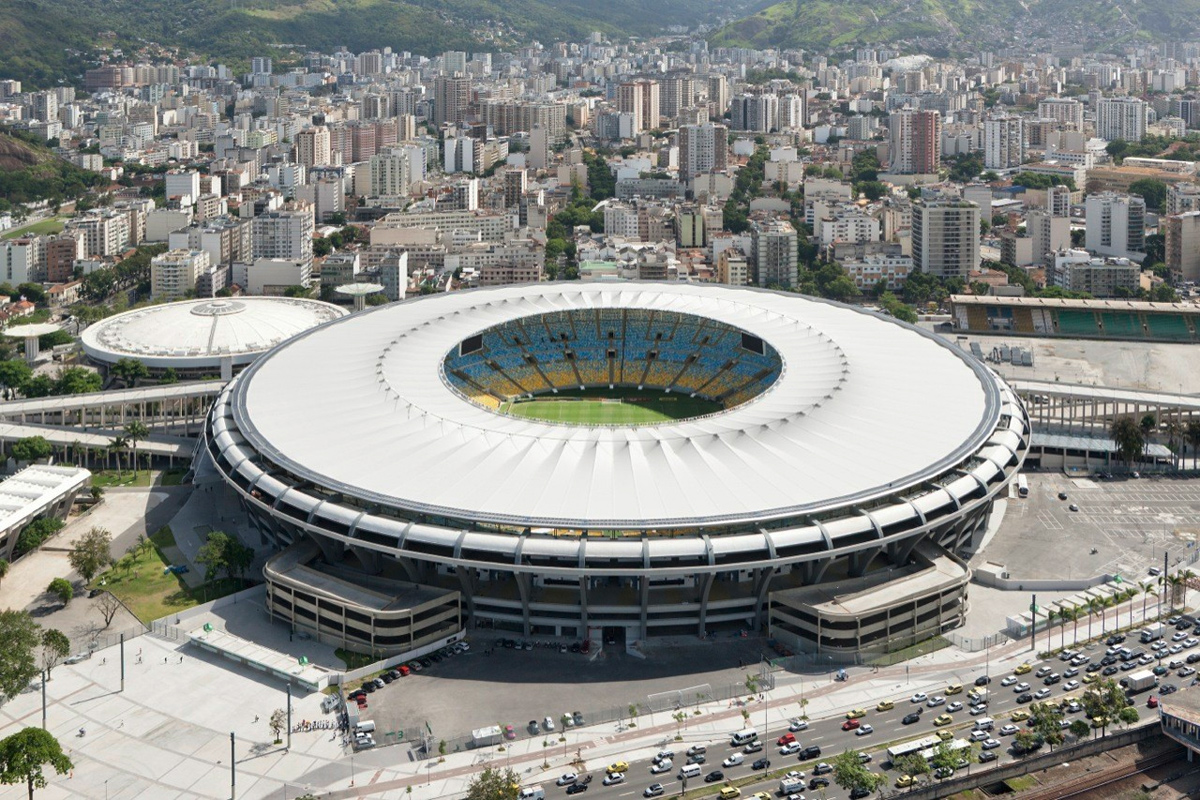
point(494, 784)
point(20, 637)
point(222, 553)
point(92, 553)
point(1129, 438)
point(24, 754)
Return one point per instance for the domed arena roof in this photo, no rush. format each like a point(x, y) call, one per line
point(197, 334)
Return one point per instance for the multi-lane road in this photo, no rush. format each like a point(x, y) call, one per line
point(828, 734)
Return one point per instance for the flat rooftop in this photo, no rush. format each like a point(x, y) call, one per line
point(365, 591)
point(878, 589)
point(1112, 304)
point(34, 487)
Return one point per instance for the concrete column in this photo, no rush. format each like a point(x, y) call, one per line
point(705, 588)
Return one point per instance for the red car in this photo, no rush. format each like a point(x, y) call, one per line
point(787, 738)
point(403, 670)
point(1152, 702)
point(850, 724)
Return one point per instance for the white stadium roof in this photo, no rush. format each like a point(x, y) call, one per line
point(195, 334)
point(865, 407)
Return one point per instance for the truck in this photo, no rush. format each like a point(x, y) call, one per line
point(483, 737)
point(978, 695)
point(535, 792)
point(791, 786)
point(1140, 681)
point(1152, 633)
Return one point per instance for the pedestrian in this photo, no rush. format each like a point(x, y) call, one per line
point(103, 661)
point(181, 659)
point(256, 717)
point(164, 659)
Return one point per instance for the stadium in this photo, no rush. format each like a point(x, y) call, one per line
point(776, 463)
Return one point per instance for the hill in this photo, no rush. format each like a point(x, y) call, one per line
point(235, 30)
point(30, 171)
point(936, 25)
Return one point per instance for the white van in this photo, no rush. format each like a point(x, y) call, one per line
point(985, 724)
point(532, 793)
point(744, 736)
point(366, 726)
point(689, 771)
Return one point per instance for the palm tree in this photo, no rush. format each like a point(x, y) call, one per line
point(1147, 588)
point(1184, 578)
point(1105, 604)
point(118, 444)
point(1076, 613)
point(135, 431)
point(1191, 434)
point(1128, 593)
point(1092, 605)
point(1066, 614)
point(1051, 616)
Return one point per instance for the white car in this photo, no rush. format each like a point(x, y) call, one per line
point(955, 706)
point(1070, 686)
point(1175, 649)
point(1191, 642)
point(75, 659)
point(798, 725)
point(978, 709)
point(1042, 693)
point(936, 700)
point(1071, 673)
point(977, 736)
point(919, 697)
point(1179, 636)
point(1009, 730)
point(659, 767)
point(1021, 687)
point(863, 730)
point(613, 778)
point(790, 749)
point(733, 760)
point(990, 744)
point(566, 779)
point(1009, 681)
point(1074, 707)
point(547, 724)
point(794, 775)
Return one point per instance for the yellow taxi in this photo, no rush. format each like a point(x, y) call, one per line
point(954, 688)
point(903, 781)
point(942, 719)
point(885, 705)
point(1024, 668)
point(619, 766)
point(945, 735)
point(730, 792)
point(1091, 677)
point(855, 713)
point(1020, 715)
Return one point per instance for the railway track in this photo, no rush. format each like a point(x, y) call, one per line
point(1098, 780)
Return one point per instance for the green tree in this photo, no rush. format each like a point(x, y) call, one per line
point(169, 376)
point(1046, 718)
point(14, 374)
point(913, 765)
point(20, 637)
point(222, 553)
point(1127, 715)
point(129, 370)
point(1025, 741)
point(92, 553)
point(277, 722)
point(851, 774)
point(1080, 729)
point(1104, 701)
point(4, 567)
point(25, 753)
point(77, 380)
point(31, 448)
point(135, 431)
point(55, 647)
point(36, 532)
point(118, 445)
point(62, 589)
point(1129, 438)
point(1154, 192)
point(494, 784)
point(945, 758)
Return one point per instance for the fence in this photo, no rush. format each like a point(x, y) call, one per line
point(955, 785)
point(975, 644)
point(103, 639)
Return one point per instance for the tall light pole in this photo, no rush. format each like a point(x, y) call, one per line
point(43, 699)
point(289, 718)
point(232, 766)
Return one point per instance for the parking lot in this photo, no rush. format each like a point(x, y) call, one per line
point(491, 685)
point(1123, 526)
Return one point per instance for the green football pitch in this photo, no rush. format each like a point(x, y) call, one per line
point(611, 407)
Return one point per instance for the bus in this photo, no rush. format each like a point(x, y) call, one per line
point(1022, 486)
point(926, 747)
point(915, 746)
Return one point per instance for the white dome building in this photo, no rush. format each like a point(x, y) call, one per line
point(199, 338)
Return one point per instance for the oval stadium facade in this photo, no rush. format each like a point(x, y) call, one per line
point(717, 459)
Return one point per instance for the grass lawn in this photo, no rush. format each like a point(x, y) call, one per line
point(111, 477)
point(151, 593)
point(611, 407)
point(46, 226)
